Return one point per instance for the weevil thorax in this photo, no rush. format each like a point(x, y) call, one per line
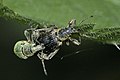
point(24, 49)
point(49, 39)
point(64, 33)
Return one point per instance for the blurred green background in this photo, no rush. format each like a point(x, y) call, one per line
point(102, 62)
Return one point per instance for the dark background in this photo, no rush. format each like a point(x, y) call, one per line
point(102, 62)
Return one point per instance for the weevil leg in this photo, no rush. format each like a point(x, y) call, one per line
point(75, 41)
point(43, 63)
point(50, 56)
point(117, 46)
point(27, 34)
point(47, 57)
point(43, 57)
point(67, 43)
point(37, 48)
point(34, 36)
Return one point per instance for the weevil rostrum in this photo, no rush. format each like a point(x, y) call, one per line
point(46, 42)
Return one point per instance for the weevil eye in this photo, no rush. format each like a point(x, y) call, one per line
point(18, 49)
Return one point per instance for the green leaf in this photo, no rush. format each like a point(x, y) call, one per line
point(105, 35)
point(105, 12)
point(9, 14)
point(85, 27)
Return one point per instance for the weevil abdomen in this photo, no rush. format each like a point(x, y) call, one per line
point(50, 42)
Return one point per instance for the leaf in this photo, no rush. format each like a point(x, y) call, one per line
point(61, 12)
point(105, 35)
point(7, 13)
point(85, 27)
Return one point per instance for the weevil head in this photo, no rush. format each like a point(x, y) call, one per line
point(21, 48)
point(64, 33)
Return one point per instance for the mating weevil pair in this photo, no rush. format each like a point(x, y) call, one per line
point(45, 42)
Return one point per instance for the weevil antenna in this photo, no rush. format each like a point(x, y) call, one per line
point(43, 64)
point(74, 53)
point(85, 19)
